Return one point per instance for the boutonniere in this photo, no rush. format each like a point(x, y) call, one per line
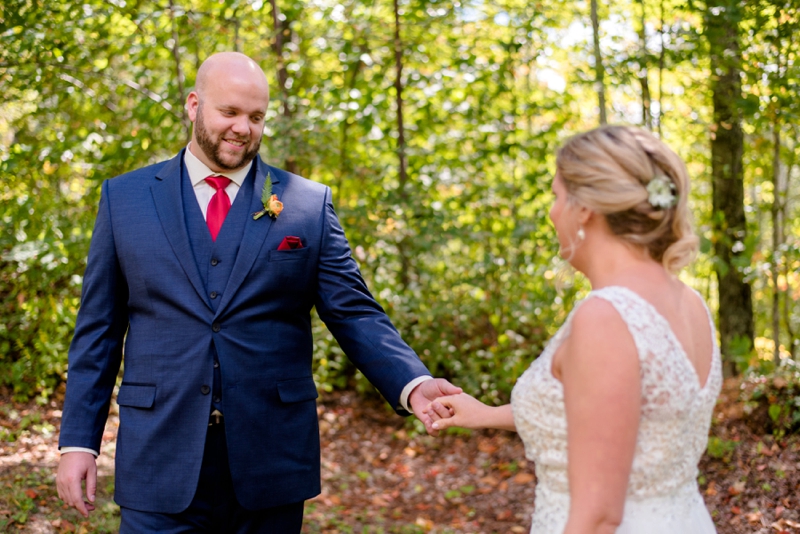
point(272, 206)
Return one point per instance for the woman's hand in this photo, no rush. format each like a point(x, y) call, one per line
point(466, 411)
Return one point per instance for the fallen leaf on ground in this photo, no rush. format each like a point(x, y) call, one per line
point(737, 488)
point(487, 446)
point(523, 478)
point(424, 523)
point(505, 515)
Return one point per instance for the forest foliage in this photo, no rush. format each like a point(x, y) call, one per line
point(435, 123)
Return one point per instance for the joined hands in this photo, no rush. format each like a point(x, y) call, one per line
point(465, 411)
point(426, 393)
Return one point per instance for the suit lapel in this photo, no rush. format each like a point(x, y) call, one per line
point(255, 232)
point(167, 196)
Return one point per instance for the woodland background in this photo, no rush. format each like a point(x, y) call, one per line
point(435, 123)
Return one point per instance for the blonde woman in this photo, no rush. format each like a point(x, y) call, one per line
point(615, 412)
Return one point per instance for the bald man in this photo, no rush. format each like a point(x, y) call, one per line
point(208, 292)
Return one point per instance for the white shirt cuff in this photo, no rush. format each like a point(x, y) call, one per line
point(65, 450)
point(409, 388)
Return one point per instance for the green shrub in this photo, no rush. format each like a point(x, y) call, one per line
point(772, 399)
point(721, 449)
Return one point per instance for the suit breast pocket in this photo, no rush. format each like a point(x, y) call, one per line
point(296, 255)
point(289, 270)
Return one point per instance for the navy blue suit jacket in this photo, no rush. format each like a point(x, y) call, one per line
point(143, 295)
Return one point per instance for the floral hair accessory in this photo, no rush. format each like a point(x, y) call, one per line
point(661, 192)
point(272, 206)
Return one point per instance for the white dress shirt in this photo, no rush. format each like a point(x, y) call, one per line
point(199, 171)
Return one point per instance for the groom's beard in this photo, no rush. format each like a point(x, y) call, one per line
point(213, 148)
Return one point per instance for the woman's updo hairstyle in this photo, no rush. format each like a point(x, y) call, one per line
point(609, 169)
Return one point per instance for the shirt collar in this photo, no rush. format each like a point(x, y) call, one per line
point(199, 171)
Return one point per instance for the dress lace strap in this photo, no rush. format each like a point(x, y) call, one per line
point(650, 331)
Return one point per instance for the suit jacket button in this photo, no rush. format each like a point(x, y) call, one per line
point(215, 327)
point(213, 294)
point(214, 261)
point(205, 390)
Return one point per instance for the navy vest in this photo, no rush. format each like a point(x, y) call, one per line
point(215, 259)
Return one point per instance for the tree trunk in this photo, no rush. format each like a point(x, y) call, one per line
point(661, 61)
point(776, 83)
point(281, 30)
point(599, 76)
point(344, 147)
point(729, 224)
point(398, 87)
point(776, 238)
point(647, 118)
point(791, 161)
point(405, 263)
point(187, 124)
point(787, 301)
point(237, 26)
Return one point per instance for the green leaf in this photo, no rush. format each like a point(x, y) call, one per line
point(774, 412)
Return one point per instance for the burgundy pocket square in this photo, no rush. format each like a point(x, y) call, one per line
point(290, 242)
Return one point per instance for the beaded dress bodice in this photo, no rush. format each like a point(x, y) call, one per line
point(676, 413)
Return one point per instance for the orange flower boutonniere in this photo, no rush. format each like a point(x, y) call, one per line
point(272, 206)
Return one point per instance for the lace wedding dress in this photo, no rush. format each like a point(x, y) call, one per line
point(663, 497)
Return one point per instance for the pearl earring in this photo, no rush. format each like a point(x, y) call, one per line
point(581, 234)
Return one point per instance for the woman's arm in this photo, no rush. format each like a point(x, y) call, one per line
point(466, 411)
point(599, 369)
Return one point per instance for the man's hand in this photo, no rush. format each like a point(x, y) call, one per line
point(73, 469)
point(463, 411)
point(466, 411)
point(425, 393)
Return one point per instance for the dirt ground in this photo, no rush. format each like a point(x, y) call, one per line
point(381, 475)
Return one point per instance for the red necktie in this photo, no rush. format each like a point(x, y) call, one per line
point(219, 206)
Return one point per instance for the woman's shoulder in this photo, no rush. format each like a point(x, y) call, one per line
point(613, 300)
point(651, 295)
point(599, 334)
point(597, 316)
point(616, 312)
